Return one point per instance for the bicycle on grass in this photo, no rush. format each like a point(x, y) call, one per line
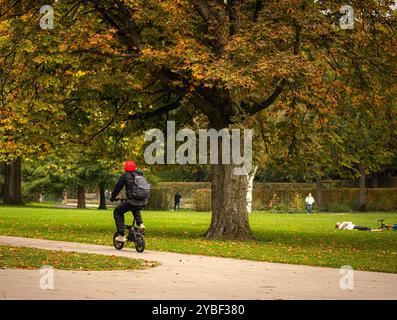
point(384, 226)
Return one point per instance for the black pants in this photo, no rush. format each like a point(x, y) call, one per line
point(118, 215)
point(176, 205)
point(362, 228)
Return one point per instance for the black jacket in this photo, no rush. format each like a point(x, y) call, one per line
point(177, 197)
point(127, 180)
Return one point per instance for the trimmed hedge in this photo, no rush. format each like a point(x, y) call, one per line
point(341, 199)
point(382, 199)
point(273, 197)
point(265, 199)
point(159, 199)
point(162, 196)
point(202, 200)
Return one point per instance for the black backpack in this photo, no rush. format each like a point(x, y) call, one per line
point(141, 188)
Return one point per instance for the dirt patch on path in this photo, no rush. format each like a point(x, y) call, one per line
point(182, 276)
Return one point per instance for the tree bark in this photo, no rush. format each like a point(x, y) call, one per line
point(319, 191)
point(81, 197)
point(200, 175)
point(12, 188)
point(102, 198)
point(65, 197)
point(362, 201)
point(229, 206)
point(250, 189)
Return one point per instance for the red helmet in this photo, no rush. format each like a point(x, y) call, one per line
point(129, 166)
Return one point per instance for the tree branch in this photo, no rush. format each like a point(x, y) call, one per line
point(201, 7)
point(281, 84)
point(118, 108)
point(269, 100)
point(258, 7)
point(154, 113)
point(122, 20)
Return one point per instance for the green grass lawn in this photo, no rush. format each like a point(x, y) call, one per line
point(286, 238)
point(31, 258)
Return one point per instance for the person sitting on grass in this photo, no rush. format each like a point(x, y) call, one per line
point(350, 226)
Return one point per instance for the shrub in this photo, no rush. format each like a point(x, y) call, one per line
point(274, 197)
point(273, 202)
point(159, 199)
point(202, 199)
point(334, 200)
point(296, 205)
point(382, 199)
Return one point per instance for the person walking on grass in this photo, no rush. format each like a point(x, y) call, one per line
point(137, 191)
point(309, 200)
point(177, 200)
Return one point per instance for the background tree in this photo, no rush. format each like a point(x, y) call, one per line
point(226, 61)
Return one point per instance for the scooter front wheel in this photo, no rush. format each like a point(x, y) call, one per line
point(117, 244)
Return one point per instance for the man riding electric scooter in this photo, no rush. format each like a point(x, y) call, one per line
point(137, 191)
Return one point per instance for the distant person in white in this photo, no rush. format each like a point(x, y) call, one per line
point(309, 203)
point(350, 226)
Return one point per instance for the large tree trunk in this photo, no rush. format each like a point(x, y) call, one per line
point(229, 206)
point(319, 191)
point(362, 201)
point(102, 198)
point(81, 197)
point(12, 188)
point(228, 196)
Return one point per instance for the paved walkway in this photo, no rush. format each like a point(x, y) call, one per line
point(182, 276)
